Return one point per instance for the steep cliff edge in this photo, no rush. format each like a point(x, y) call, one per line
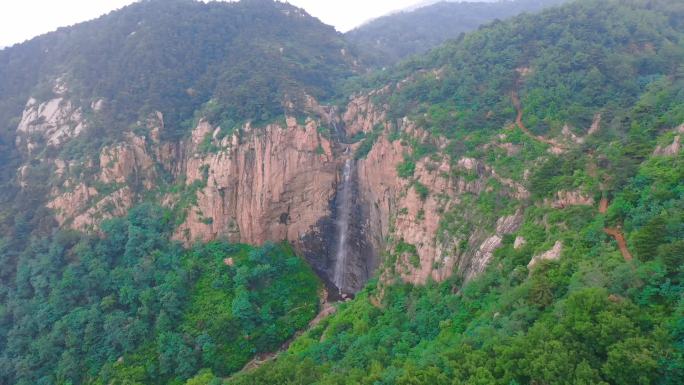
point(248, 184)
point(270, 183)
point(100, 151)
point(339, 184)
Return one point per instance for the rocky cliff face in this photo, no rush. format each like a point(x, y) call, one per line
point(49, 124)
point(405, 216)
point(253, 185)
point(271, 183)
point(88, 190)
point(283, 182)
point(263, 184)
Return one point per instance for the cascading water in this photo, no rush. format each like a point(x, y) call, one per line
point(340, 134)
point(349, 253)
point(344, 203)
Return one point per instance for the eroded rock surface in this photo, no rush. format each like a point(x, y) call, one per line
point(272, 184)
point(571, 198)
point(280, 182)
point(48, 124)
point(551, 255)
point(397, 213)
point(670, 150)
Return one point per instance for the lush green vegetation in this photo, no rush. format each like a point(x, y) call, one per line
point(367, 142)
point(387, 40)
point(236, 61)
point(406, 168)
point(227, 61)
point(130, 307)
point(563, 62)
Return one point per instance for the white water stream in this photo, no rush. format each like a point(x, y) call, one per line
point(344, 202)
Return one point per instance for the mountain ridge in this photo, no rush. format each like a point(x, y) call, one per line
point(391, 38)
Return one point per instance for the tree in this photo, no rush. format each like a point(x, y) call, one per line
point(632, 361)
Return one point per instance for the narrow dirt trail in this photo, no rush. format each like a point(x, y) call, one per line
point(519, 123)
point(620, 239)
point(616, 233)
point(603, 206)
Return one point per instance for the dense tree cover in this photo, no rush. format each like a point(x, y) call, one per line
point(389, 39)
point(567, 64)
point(131, 307)
point(128, 306)
point(176, 55)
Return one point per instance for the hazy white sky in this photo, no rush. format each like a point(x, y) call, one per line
point(23, 19)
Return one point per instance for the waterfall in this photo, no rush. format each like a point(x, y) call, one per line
point(344, 202)
point(340, 134)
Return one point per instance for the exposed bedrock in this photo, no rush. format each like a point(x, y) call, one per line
point(294, 181)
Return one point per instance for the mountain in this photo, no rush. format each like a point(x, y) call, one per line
point(527, 183)
point(177, 55)
point(389, 39)
point(220, 193)
point(66, 96)
point(100, 117)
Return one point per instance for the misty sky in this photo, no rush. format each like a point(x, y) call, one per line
point(23, 19)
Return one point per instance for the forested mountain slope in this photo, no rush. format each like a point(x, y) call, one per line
point(92, 123)
point(583, 106)
point(505, 209)
point(176, 55)
point(129, 305)
point(389, 39)
point(253, 60)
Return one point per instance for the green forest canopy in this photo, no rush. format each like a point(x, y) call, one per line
point(131, 307)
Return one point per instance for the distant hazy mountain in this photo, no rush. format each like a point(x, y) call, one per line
point(388, 39)
point(431, 2)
